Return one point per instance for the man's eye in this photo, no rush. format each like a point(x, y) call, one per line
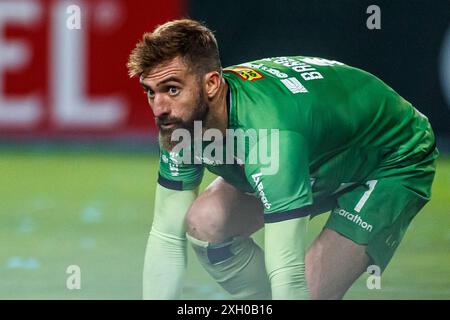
point(173, 91)
point(150, 94)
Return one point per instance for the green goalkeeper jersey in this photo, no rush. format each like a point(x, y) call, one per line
point(334, 126)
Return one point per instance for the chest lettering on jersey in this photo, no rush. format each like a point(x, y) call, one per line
point(307, 72)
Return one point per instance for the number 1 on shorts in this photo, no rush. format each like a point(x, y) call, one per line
point(362, 201)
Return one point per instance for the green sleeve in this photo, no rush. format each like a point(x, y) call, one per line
point(176, 175)
point(286, 187)
point(285, 244)
point(165, 256)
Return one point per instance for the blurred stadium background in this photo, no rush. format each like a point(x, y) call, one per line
point(78, 156)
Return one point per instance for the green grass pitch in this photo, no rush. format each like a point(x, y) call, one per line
point(95, 211)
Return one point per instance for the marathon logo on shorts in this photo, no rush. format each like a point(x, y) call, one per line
point(246, 73)
point(354, 218)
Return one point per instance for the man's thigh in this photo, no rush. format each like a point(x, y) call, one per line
point(333, 263)
point(221, 211)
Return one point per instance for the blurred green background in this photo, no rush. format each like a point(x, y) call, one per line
point(95, 210)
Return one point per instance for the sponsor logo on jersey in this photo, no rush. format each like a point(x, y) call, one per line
point(208, 161)
point(173, 164)
point(294, 85)
point(355, 218)
point(260, 66)
point(246, 73)
point(260, 189)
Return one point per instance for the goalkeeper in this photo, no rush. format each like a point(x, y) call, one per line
point(341, 141)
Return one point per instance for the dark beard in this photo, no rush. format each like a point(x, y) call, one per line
point(200, 113)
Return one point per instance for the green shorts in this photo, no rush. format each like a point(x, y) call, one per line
point(378, 212)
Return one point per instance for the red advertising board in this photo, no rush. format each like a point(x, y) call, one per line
point(63, 65)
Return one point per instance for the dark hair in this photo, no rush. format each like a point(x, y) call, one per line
point(189, 39)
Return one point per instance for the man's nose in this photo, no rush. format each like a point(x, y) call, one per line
point(160, 106)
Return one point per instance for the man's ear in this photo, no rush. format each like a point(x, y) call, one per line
point(212, 83)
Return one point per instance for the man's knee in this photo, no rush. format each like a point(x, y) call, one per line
point(222, 212)
point(205, 221)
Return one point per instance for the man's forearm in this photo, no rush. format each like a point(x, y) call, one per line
point(165, 256)
point(164, 266)
point(285, 244)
